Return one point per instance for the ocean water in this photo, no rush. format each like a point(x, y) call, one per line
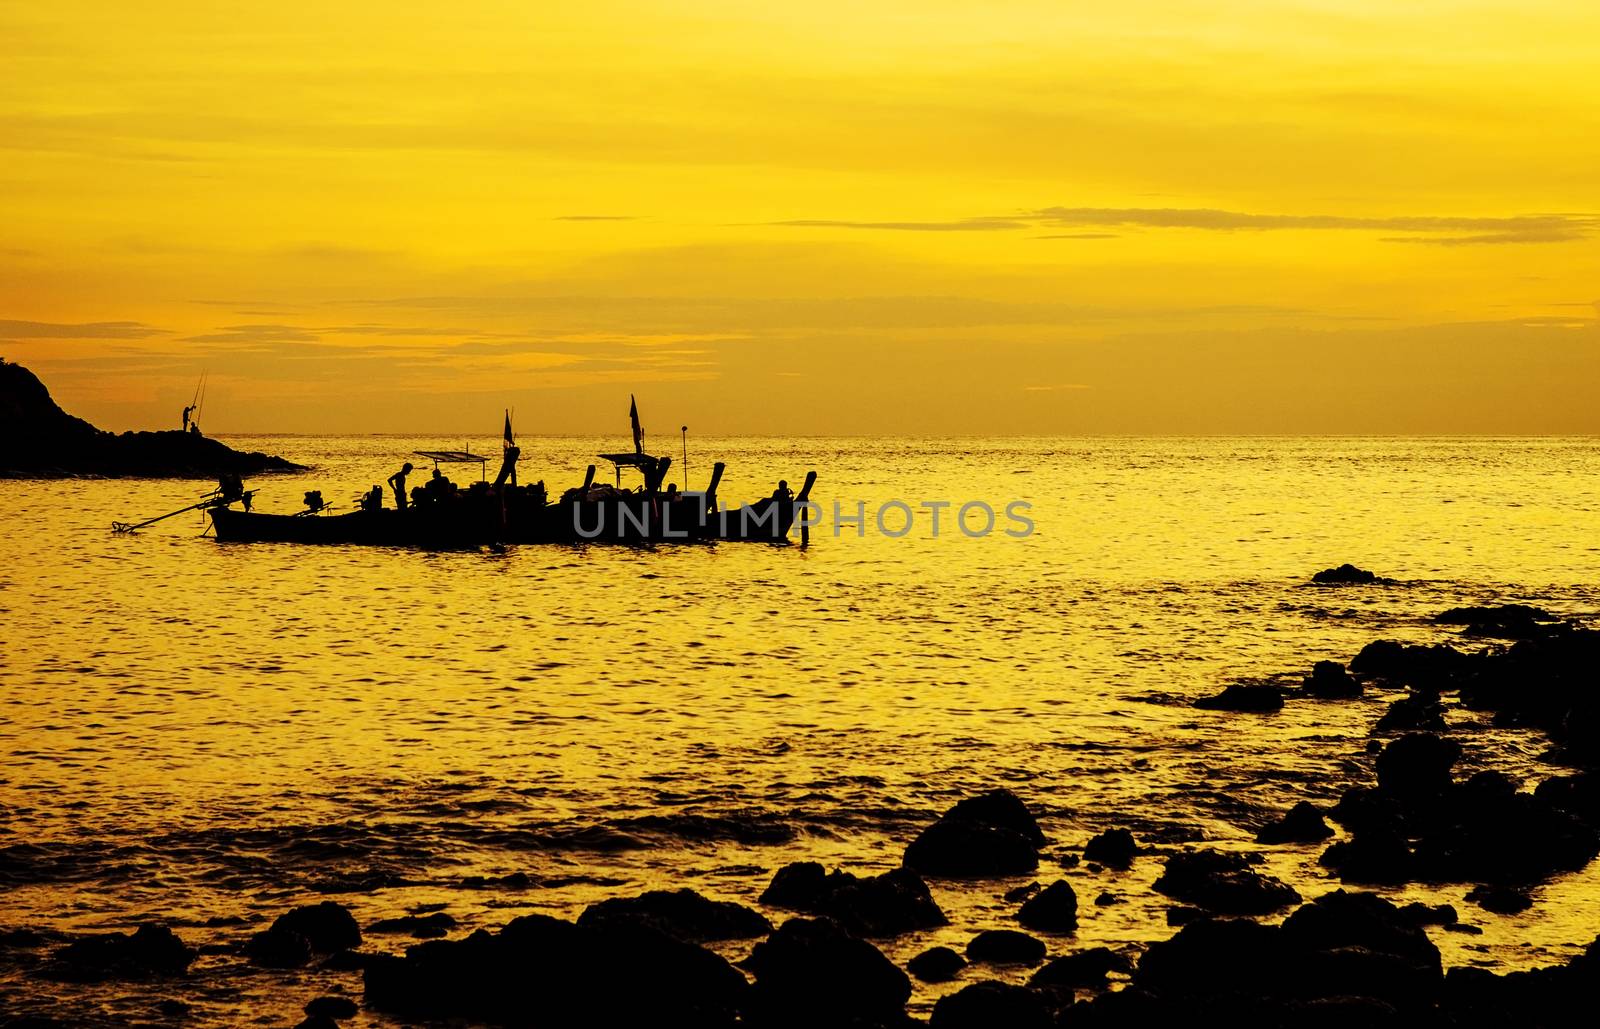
point(201, 733)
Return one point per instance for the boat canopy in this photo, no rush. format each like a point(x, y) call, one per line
point(439, 457)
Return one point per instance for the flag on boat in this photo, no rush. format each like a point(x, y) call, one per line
point(633, 415)
point(508, 443)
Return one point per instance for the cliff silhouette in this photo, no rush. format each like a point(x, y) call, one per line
point(38, 440)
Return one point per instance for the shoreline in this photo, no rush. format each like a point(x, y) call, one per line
point(1241, 879)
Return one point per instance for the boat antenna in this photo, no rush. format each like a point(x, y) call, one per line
point(686, 459)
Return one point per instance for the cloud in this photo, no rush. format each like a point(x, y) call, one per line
point(1527, 228)
point(1527, 236)
point(84, 330)
point(961, 225)
point(255, 334)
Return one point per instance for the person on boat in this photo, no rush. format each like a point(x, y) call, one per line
point(187, 411)
point(508, 467)
point(398, 482)
point(782, 494)
point(230, 488)
point(372, 500)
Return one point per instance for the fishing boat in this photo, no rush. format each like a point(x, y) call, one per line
point(485, 515)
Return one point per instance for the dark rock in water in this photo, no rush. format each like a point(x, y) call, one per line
point(1105, 899)
point(881, 905)
point(1340, 945)
point(149, 951)
point(1547, 684)
point(316, 1022)
point(1345, 575)
point(1487, 786)
point(1301, 824)
point(1502, 900)
point(1577, 795)
point(1021, 892)
point(993, 834)
point(1417, 767)
point(1223, 882)
point(1425, 667)
point(811, 972)
point(1329, 681)
point(1005, 947)
point(682, 914)
point(969, 850)
point(327, 927)
point(1342, 919)
point(1086, 969)
point(1054, 909)
point(278, 948)
point(1419, 712)
point(991, 1005)
point(1257, 697)
point(423, 927)
point(1377, 856)
point(346, 961)
point(1180, 916)
point(332, 1007)
point(1114, 848)
point(1504, 621)
point(42, 441)
point(1000, 808)
point(1418, 913)
point(560, 974)
point(1365, 809)
point(1213, 956)
point(937, 965)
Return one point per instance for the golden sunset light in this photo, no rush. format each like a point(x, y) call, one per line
point(1014, 217)
point(1018, 515)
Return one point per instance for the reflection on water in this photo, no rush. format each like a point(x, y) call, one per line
point(194, 731)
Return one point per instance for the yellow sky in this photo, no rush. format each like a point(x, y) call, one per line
point(1220, 216)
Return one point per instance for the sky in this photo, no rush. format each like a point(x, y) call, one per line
point(1155, 216)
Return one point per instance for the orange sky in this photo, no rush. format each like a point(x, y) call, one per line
point(1229, 216)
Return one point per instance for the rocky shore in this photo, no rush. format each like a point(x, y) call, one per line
point(38, 440)
point(1239, 945)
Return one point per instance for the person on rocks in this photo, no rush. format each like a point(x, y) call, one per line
point(398, 482)
point(187, 411)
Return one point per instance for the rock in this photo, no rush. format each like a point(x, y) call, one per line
point(1180, 916)
point(1329, 681)
point(1345, 575)
point(682, 914)
point(989, 1005)
point(1344, 919)
point(1425, 667)
point(1005, 947)
point(1114, 848)
point(1257, 697)
point(968, 850)
point(1503, 621)
point(1000, 808)
point(1224, 883)
point(811, 972)
point(619, 973)
point(148, 952)
point(316, 1022)
point(422, 927)
point(1416, 768)
point(1301, 824)
point(1577, 795)
point(1211, 956)
point(1374, 856)
point(172, 1008)
point(1054, 909)
point(881, 905)
point(992, 834)
point(937, 965)
point(1502, 900)
point(327, 927)
point(42, 441)
point(1419, 712)
point(1105, 899)
point(332, 1007)
point(1086, 969)
point(1417, 913)
point(278, 948)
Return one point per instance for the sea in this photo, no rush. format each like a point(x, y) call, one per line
point(207, 734)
